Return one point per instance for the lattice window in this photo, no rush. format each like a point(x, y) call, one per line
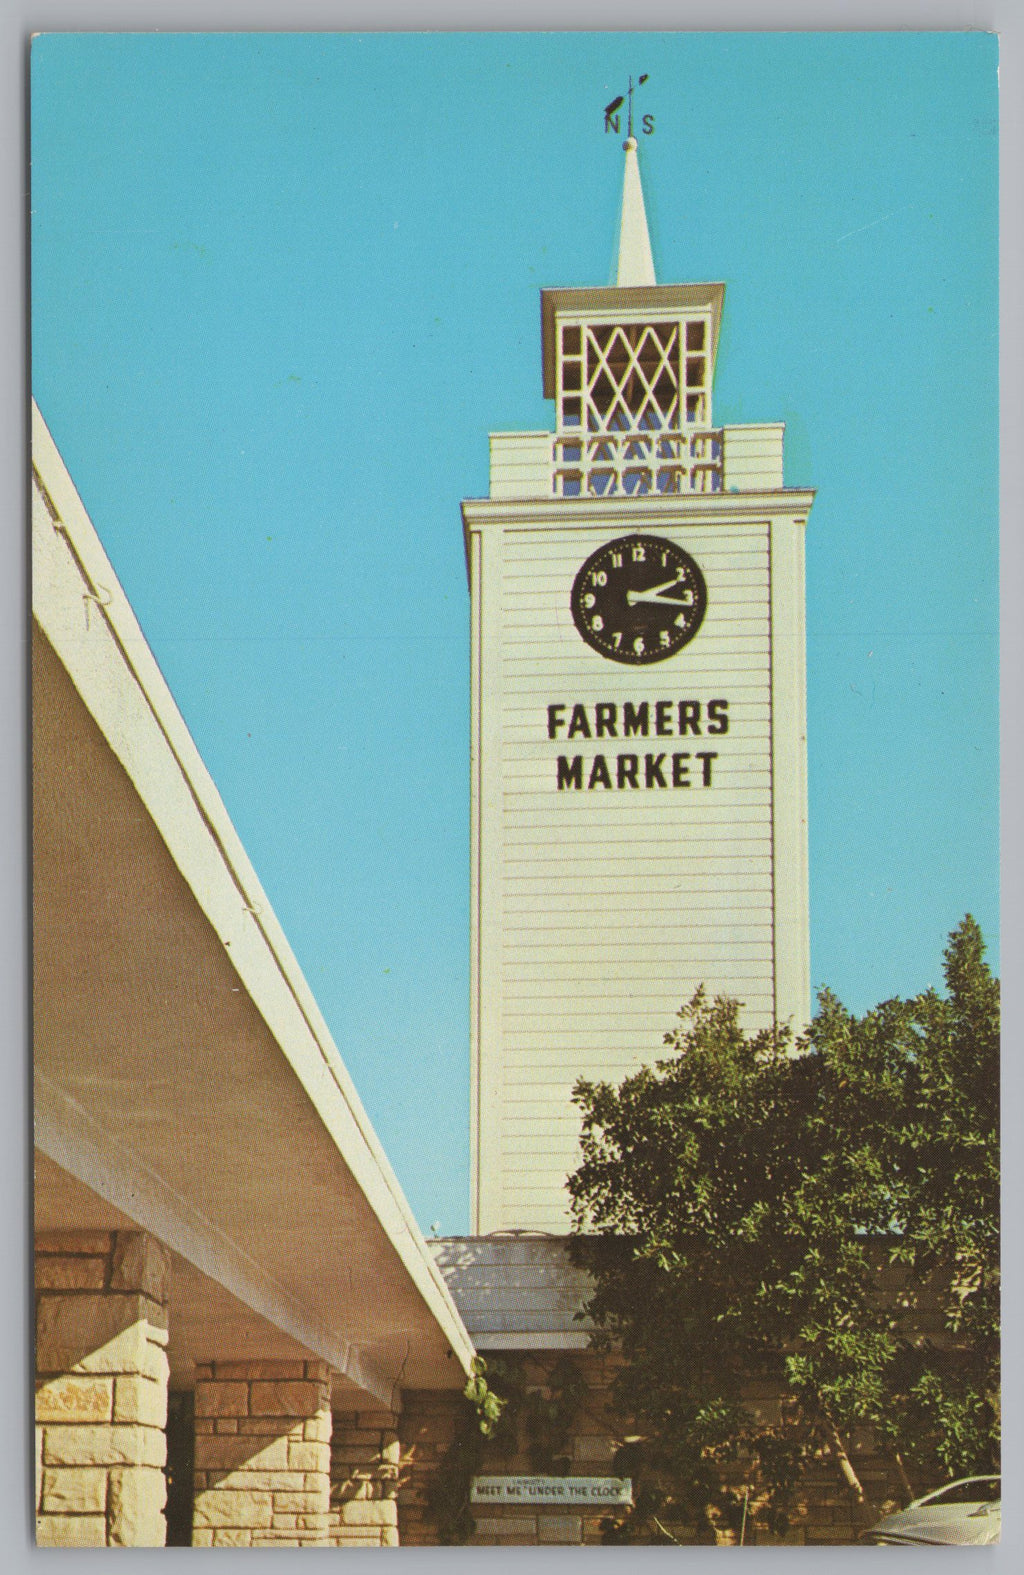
point(616, 377)
point(634, 409)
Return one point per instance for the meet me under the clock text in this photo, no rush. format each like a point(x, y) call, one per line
point(668, 768)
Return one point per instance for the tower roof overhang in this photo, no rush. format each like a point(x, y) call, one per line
point(628, 303)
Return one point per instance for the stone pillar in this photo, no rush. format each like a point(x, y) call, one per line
point(365, 1459)
point(101, 1389)
point(263, 1454)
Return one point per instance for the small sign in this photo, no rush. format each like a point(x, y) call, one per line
point(577, 1491)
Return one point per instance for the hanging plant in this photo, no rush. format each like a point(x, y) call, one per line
point(448, 1492)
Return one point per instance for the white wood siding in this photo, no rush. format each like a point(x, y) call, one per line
point(615, 905)
point(521, 464)
point(752, 456)
point(789, 753)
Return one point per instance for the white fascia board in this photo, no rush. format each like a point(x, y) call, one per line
point(727, 508)
point(533, 1340)
point(206, 849)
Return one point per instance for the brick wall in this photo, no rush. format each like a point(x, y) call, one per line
point(824, 1511)
point(365, 1452)
point(427, 1429)
point(431, 1422)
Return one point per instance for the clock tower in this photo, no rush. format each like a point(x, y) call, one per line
point(639, 785)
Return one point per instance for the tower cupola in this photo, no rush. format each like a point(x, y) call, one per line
point(630, 370)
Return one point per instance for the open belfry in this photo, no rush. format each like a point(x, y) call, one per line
point(639, 787)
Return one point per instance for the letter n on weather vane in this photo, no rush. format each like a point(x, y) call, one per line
point(613, 111)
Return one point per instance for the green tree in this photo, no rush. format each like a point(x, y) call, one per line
point(814, 1222)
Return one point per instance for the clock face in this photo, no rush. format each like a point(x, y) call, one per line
point(639, 599)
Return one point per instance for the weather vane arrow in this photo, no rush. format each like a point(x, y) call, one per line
point(612, 118)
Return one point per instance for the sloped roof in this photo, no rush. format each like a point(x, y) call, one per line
point(516, 1291)
point(185, 1080)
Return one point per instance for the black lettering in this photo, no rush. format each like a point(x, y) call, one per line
point(605, 717)
point(648, 125)
point(611, 122)
point(599, 773)
point(629, 765)
point(663, 719)
point(570, 772)
point(652, 771)
point(554, 719)
point(578, 722)
point(635, 719)
point(680, 773)
point(718, 718)
point(689, 717)
point(707, 755)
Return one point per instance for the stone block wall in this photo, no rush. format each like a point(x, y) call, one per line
point(432, 1424)
point(101, 1389)
point(365, 1454)
point(262, 1454)
point(428, 1426)
point(824, 1511)
point(584, 1447)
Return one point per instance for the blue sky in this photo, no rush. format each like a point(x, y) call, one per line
point(283, 287)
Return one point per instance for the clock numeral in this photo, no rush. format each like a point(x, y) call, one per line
point(665, 637)
point(597, 622)
point(638, 645)
point(639, 554)
point(598, 577)
point(680, 622)
point(686, 598)
point(590, 599)
point(664, 560)
point(617, 638)
point(616, 560)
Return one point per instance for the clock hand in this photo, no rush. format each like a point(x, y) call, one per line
point(655, 594)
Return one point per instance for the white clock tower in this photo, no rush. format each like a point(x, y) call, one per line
point(639, 785)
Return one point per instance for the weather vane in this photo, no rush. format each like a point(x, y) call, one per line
point(612, 117)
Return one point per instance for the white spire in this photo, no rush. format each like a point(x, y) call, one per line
point(636, 265)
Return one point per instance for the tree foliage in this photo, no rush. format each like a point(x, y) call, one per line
point(795, 1246)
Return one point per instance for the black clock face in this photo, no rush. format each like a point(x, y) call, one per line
point(639, 599)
